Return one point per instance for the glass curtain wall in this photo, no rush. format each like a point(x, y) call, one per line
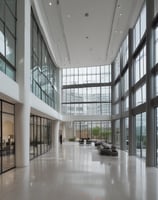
point(139, 83)
point(126, 133)
point(8, 38)
point(7, 137)
point(87, 91)
point(129, 83)
point(100, 130)
point(141, 135)
point(44, 73)
point(40, 136)
point(117, 133)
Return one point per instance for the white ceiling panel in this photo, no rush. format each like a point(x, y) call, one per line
point(87, 32)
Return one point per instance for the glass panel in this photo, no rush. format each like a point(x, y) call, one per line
point(117, 133)
point(7, 108)
point(40, 138)
point(2, 66)
point(45, 75)
point(32, 155)
point(117, 66)
point(143, 21)
point(12, 5)
point(2, 10)
point(84, 130)
point(106, 108)
point(10, 20)
point(35, 136)
point(141, 95)
point(141, 135)
point(94, 95)
point(140, 65)
point(2, 47)
point(10, 48)
point(10, 72)
point(155, 6)
point(126, 133)
point(8, 150)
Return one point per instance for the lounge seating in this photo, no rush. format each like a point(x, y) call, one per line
point(105, 149)
point(86, 140)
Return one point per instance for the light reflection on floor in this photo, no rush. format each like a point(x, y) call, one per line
point(77, 172)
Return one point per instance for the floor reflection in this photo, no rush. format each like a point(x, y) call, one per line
point(79, 172)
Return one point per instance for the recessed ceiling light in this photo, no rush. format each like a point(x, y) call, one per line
point(121, 14)
point(50, 3)
point(86, 14)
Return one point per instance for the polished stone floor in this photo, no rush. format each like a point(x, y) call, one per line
point(78, 172)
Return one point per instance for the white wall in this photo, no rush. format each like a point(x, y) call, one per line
point(9, 89)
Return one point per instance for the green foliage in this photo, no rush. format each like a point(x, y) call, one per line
point(72, 139)
point(96, 130)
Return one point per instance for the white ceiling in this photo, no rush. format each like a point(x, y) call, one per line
point(78, 40)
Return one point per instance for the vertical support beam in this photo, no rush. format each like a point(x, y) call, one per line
point(60, 91)
point(22, 110)
point(112, 105)
point(151, 144)
point(55, 134)
point(64, 131)
point(122, 134)
point(132, 139)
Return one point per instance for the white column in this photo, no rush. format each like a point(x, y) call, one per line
point(22, 110)
point(55, 134)
point(64, 131)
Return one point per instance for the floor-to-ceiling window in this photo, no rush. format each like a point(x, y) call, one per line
point(7, 137)
point(139, 83)
point(87, 91)
point(8, 38)
point(129, 86)
point(44, 73)
point(100, 130)
point(126, 133)
point(40, 136)
point(117, 133)
point(141, 135)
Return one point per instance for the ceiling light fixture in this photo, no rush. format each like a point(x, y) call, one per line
point(50, 3)
point(86, 14)
point(121, 14)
